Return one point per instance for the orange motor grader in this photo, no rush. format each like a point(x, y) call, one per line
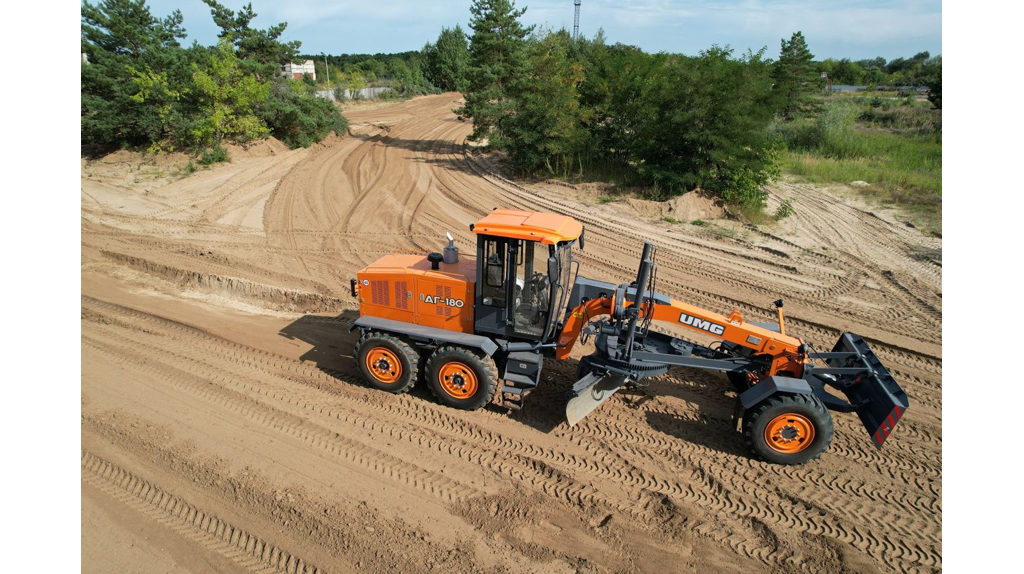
point(474, 327)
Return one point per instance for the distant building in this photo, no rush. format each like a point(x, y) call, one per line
point(296, 71)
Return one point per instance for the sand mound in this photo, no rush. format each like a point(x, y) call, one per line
point(261, 148)
point(686, 207)
point(693, 205)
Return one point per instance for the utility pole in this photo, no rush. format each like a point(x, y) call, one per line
point(576, 21)
point(327, 68)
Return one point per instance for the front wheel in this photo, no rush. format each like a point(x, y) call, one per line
point(788, 429)
point(462, 378)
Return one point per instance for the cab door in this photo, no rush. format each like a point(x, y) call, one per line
point(493, 285)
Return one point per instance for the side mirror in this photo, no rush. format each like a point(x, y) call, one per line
point(553, 269)
point(582, 236)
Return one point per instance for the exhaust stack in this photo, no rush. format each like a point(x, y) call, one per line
point(451, 252)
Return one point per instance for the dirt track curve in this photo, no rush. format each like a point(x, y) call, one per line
point(224, 427)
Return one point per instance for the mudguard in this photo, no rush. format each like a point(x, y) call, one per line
point(771, 386)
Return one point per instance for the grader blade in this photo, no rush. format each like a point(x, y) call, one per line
point(590, 392)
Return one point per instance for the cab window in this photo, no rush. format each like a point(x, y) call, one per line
point(493, 290)
point(532, 290)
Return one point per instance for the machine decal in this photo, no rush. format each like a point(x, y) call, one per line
point(698, 323)
point(447, 301)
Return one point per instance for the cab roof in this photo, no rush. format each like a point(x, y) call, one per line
point(547, 228)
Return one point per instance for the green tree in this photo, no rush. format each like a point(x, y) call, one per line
point(228, 100)
point(690, 135)
point(136, 71)
point(355, 83)
point(933, 75)
point(261, 51)
point(448, 60)
point(847, 72)
point(795, 77)
point(616, 81)
point(547, 129)
point(498, 61)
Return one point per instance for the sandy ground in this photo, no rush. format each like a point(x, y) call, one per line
point(224, 426)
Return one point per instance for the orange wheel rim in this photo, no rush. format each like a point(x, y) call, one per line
point(789, 433)
point(383, 365)
point(458, 380)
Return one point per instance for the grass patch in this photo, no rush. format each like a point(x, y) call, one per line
point(902, 166)
point(605, 199)
point(699, 222)
point(754, 215)
point(720, 231)
point(671, 220)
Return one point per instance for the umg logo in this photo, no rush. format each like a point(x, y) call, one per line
point(447, 301)
point(698, 323)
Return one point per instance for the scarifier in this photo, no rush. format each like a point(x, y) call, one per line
point(472, 328)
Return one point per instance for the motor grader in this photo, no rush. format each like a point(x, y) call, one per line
point(474, 327)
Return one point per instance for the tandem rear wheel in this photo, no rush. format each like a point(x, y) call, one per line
point(387, 362)
point(788, 428)
point(461, 378)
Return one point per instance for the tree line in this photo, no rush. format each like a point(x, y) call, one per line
point(438, 67)
point(669, 123)
point(142, 88)
point(921, 69)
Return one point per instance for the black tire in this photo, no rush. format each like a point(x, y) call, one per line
point(443, 369)
point(407, 370)
point(806, 410)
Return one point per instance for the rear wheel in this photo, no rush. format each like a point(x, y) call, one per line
point(387, 362)
point(788, 429)
point(461, 378)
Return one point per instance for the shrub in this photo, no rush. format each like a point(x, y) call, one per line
point(299, 119)
point(784, 210)
point(699, 222)
point(214, 155)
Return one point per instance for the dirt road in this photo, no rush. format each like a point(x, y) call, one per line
point(224, 426)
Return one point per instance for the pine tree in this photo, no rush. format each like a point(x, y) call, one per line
point(260, 51)
point(134, 74)
point(795, 77)
point(497, 60)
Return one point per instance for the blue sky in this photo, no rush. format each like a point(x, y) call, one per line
point(851, 28)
